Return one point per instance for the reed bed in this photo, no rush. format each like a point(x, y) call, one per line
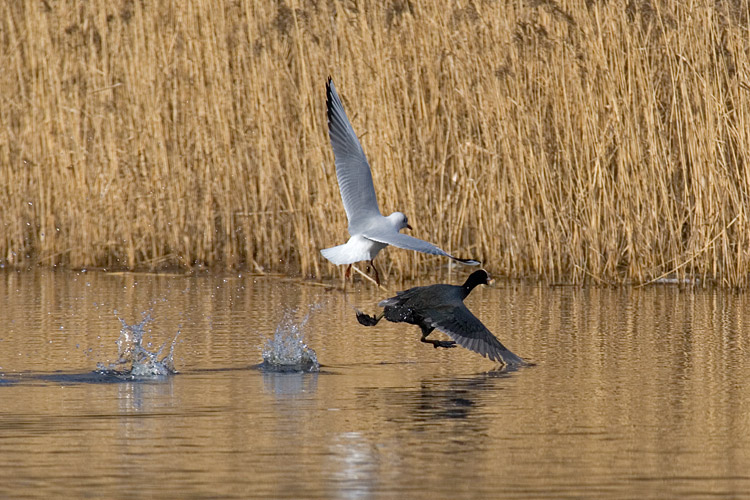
point(570, 141)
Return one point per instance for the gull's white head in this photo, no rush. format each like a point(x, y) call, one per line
point(399, 221)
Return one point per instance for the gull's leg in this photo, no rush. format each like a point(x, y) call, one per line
point(377, 275)
point(346, 277)
point(435, 343)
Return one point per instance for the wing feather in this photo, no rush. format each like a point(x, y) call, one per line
point(352, 170)
point(466, 329)
point(407, 242)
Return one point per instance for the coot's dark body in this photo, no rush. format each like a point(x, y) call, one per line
point(442, 307)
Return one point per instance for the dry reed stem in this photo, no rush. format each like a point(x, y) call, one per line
point(565, 140)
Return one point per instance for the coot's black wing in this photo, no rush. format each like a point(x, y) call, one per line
point(462, 326)
point(406, 306)
point(425, 298)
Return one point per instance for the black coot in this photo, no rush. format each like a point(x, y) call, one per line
point(442, 307)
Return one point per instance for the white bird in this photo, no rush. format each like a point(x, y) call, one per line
point(370, 231)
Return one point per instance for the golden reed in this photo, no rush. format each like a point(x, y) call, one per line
point(571, 141)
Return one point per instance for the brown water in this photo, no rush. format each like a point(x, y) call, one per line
point(636, 393)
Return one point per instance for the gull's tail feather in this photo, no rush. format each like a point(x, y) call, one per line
point(339, 255)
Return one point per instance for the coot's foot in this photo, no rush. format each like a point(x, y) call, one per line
point(444, 343)
point(366, 319)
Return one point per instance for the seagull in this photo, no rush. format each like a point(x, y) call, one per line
point(442, 307)
point(370, 231)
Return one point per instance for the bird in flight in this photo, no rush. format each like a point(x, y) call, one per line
point(369, 230)
point(442, 307)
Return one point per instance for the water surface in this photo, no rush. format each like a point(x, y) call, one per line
point(635, 393)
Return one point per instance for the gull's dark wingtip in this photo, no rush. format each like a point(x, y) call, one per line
point(468, 262)
point(330, 90)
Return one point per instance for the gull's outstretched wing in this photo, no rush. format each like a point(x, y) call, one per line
point(407, 242)
point(352, 170)
point(466, 329)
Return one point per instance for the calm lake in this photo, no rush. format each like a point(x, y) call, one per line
point(635, 393)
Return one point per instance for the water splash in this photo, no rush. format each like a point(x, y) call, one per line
point(134, 360)
point(287, 350)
